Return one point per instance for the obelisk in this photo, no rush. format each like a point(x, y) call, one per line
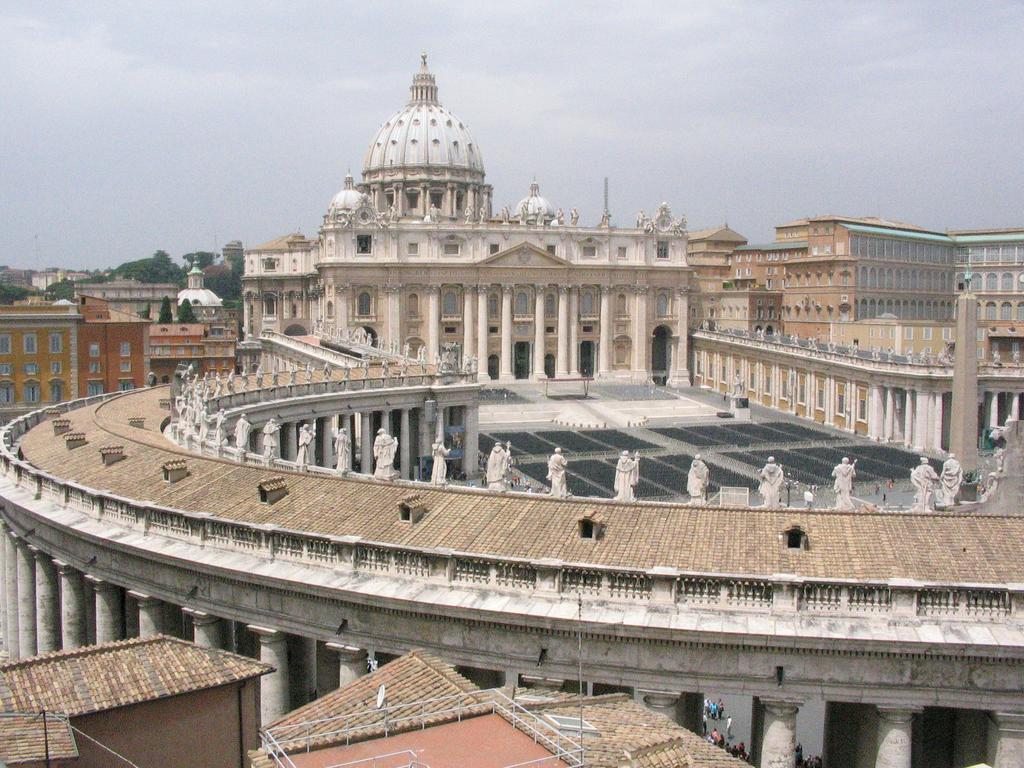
point(963, 417)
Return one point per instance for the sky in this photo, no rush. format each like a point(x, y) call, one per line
point(136, 126)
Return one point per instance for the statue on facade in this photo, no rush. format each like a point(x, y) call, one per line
point(469, 214)
point(243, 428)
point(327, 371)
point(273, 379)
point(499, 466)
point(293, 374)
point(560, 217)
point(483, 215)
point(556, 474)
point(844, 474)
point(384, 449)
point(449, 361)
point(270, 441)
point(950, 480)
point(309, 373)
point(574, 216)
point(772, 477)
point(385, 369)
point(504, 214)
point(737, 386)
point(342, 450)
point(606, 219)
point(641, 219)
point(204, 427)
point(924, 480)
point(305, 451)
point(439, 469)
point(524, 213)
point(627, 475)
point(997, 359)
point(697, 480)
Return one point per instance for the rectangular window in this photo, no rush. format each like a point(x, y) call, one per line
point(94, 388)
point(862, 409)
point(551, 250)
point(55, 366)
point(947, 334)
point(32, 369)
point(622, 251)
point(56, 343)
point(125, 384)
point(5, 369)
point(820, 398)
point(5, 343)
point(493, 248)
point(662, 249)
point(126, 349)
point(32, 392)
point(589, 251)
point(29, 343)
point(908, 333)
point(94, 350)
point(94, 366)
point(364, 244)
point(926, 334)
point(452, 249)
point(126, 366)
point(6, 393)
point(412, 249)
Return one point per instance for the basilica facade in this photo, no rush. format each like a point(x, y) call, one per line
point(417, 254)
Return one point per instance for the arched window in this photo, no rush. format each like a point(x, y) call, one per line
point(330, 309)
point(872, 278)
point(1006, 311)
point(990, 281)
point(587, 303)
point(549, 305)
point(662, 305)
point(450, 303)
point(862, 276)
point(363, 304)
point(990, 311)
point(413, 305)
point(620, 305)
point(1006, 282)
point(270, 305)
point(1020, 311)
point(492, 306)
point(522, 303)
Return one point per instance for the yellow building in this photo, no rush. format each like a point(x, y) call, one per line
point(38, 363)
point(928, 337)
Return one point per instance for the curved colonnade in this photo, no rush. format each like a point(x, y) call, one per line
point(112, 530)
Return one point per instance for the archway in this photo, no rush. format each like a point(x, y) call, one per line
point(586, 358)
point(521, 360)
point(372, 334)
point(493, 367)
point(661, 354)
point(549, 365)
point(295, 329)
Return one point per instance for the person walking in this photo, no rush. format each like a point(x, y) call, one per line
point(728, 727)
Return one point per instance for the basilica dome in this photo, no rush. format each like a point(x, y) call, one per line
point(536, 205)
point(348, 198)
point(423, 133)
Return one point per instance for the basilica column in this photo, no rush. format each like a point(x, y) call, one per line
point(937, 421)
point(574, 331)
point(341, 309)
point(273, 686)
point(1006, 737)
point(778, 733)
point(908, 418)
point(481, 333)
point(1015, 406)
point(467, 321)
point(874, 413)
point(680, 374)
point(640, 341)
point(352, 662)
point(920, 420)
point(662, 702)
point(505, 373)
point(366, 443)
point(538, 332)
point(471, 443)
point(208, 630)
point(26, 600)
point(604, 347)
point(393, 321)
point(11, 626)
point(993, 413)
point(890, 414)
point(433, 322)
point(403, 444)
point(109, 624)
point(562, 357)
point(894, 738)
point(47, 604)
point(72, 607)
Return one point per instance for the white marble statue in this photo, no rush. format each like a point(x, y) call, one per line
point(293, 374)
point(384, 449)
point(844, 473)
point(556, 474)
point(574, 217)
point(270, 441)
point(772, 477)
point(560, 217)
point(627, 475)
point(243, 428)
point(439, 470)
point(499, 464)
point(950, 480)
point(305, 452)
point(204, 427)
point(218, 419)
point(697, 480)
point(924, 480)
point(342, 450)
point(469, 214)
point(327, 371)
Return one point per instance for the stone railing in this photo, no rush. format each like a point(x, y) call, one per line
point(533, 578)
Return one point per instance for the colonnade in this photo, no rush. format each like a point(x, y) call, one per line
point(1000, 406)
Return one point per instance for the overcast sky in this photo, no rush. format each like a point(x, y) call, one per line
point(128, 127)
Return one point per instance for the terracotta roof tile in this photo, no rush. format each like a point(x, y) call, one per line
point(23, 739)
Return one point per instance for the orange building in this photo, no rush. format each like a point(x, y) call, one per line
point(193, 343)
point(38, 360)
point(113, 349)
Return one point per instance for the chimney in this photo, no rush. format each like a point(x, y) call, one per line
point(111, 454)
point(74, 440)
point(412, 508)
point(174, 470)
point(60, 426)
point(137, 421)
point(272, 489)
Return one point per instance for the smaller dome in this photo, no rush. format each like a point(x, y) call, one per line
point(202, 297)
point(348, 198)
point(536, 206)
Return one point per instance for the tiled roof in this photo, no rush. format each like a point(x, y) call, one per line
point(101, 677)
point(23, 739)
point(283, 243)
point(947, 548)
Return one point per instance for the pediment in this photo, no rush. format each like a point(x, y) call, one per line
point(523, 255)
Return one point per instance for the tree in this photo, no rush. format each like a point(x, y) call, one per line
point(222, 280)
point(12, 293)
point(165, 312)
point(64, 289)
point(203, 258)
point(158, 268)
point(185, 313)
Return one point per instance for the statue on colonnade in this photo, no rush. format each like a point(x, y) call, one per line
point(697, 481)
point(844, 473)
point(924, 480)
point(439, 470)
point(499, 466)
point(342, 450)
point(772, 477)
point(384, 449)
point(556, 474)
point(627, 475)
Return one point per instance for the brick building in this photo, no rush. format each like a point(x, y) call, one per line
point(113, 348)
point(189, 343)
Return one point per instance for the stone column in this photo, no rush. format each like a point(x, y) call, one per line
point(505, 371)
point(404, 435)
point(890, 414)
point(604, 346)
point(874, 400)
point(538, 333)
point(908, 418)
point(993, 410)
point(208, 630)
point(921, 400)
point(393, 321)
point(562, 355)
point(151, 614)
point(366, 443)
point(937, 421)
point(640, 340)
point(13, 638)
point(1006, 739)
point(47, 605)
point(72, 607)
point(778, 733)
point(274, 700)
point(482, 321)
point(894, 738)
point(352, 662)
point(325, 434)
point(467, 320)
point(574, 331)
point(680, 374)
point(1015, 406)
point(26, 600)
point(108, 611)
point(471, 443)
point(662, 702)
point(341, 306)
point(830, 401)
point(433, 322)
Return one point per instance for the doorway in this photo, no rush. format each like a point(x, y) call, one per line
point(587, 358)
point(660, 355)
point(493, 367)
point(521, 360)
point(549, 365)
